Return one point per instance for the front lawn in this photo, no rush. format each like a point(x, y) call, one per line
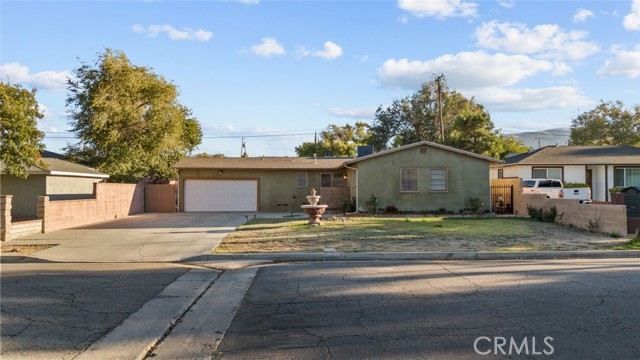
point(409, 234)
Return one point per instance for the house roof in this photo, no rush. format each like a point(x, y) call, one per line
point(578, 155)
point(301, 163)
point(424, 143)
point(56, 165)
point(260, 163)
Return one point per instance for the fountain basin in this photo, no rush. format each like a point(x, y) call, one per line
point(315, 213)
point(313, 199)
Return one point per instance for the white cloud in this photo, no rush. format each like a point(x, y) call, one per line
point(631, 22)
point(508, 4)
point(468, 70)
point(331, 51)
point(268, 47)
point(362, 58)
point(46, 113)
point(303, 51)
point(404, 18)
point(625, 63)
point(249, 2)
point(490, 78)
point(49, 80)
point(353, 113)
point(439, 8)
point(543, 40)
point(510, 99)
point(173, 33)
point(582, 15)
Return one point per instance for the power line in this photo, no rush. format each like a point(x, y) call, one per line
point(229, 136)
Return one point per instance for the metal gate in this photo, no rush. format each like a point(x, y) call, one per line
point(160, 197)
point(502, 199)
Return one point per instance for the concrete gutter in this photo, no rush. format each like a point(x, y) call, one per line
point(336, 256)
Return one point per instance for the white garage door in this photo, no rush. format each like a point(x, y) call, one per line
point(220, 195)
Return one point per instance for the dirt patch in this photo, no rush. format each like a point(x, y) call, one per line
point(23, 249)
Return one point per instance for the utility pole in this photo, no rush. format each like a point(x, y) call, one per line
point(243, 149)
point(539, 138)
point(438, 80)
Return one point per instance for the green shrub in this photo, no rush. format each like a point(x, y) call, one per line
point(349, 205)
point(615, 190)
point(391, 209)
point(542, 214)
point(372, 204)
point(575, 185)
point(474, 203)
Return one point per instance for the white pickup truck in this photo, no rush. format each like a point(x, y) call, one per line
point(554, 189)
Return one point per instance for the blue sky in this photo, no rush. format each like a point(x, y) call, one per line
point(276, 71)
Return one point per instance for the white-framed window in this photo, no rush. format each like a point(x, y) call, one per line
point(409, 180)
point(302, 179)
point(626, 176)
point(547, 173)
point(438, 180)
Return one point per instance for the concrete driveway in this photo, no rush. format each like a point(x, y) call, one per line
point(140, 238)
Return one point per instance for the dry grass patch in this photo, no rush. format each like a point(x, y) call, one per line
point(408, 235)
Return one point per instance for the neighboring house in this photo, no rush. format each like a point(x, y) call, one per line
point(415, 177)
point(62, 180)
point(600, 167)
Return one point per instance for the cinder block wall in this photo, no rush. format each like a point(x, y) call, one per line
point(24, 228)
point(111, 201)
point(610, 218)
point(5, 217)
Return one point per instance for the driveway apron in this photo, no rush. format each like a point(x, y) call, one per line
point(148, 237)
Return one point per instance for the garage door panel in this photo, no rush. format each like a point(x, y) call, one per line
point(221, 195)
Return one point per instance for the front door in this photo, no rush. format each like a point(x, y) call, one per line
point(589, 178)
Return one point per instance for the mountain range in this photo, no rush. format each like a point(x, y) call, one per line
point(542, 138)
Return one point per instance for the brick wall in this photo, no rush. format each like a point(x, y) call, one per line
point(24, 228)
point(111, 201)
point(334, 197)
point(5, 217)
point(609, 218)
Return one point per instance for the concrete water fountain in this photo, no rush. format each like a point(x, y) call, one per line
point(314, 210)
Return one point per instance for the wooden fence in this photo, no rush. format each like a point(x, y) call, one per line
point(160, 197)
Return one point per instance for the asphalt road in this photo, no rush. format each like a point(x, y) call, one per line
point(571, 309)
point(55, 311)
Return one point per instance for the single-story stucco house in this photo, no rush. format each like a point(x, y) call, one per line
point(416, 177)
point(61, 180)
point(600, 167)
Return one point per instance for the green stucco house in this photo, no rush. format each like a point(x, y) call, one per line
point(416, 177)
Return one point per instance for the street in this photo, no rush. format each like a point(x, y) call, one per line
point(56, 310)
point(566, 309)
point(437, 310)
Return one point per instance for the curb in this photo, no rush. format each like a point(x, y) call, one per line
point(533, 255)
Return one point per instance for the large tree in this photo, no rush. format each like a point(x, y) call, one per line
point(128, 120)
point(337, 141)
point(20, 139)
point(609, 123)
point(466, 125)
